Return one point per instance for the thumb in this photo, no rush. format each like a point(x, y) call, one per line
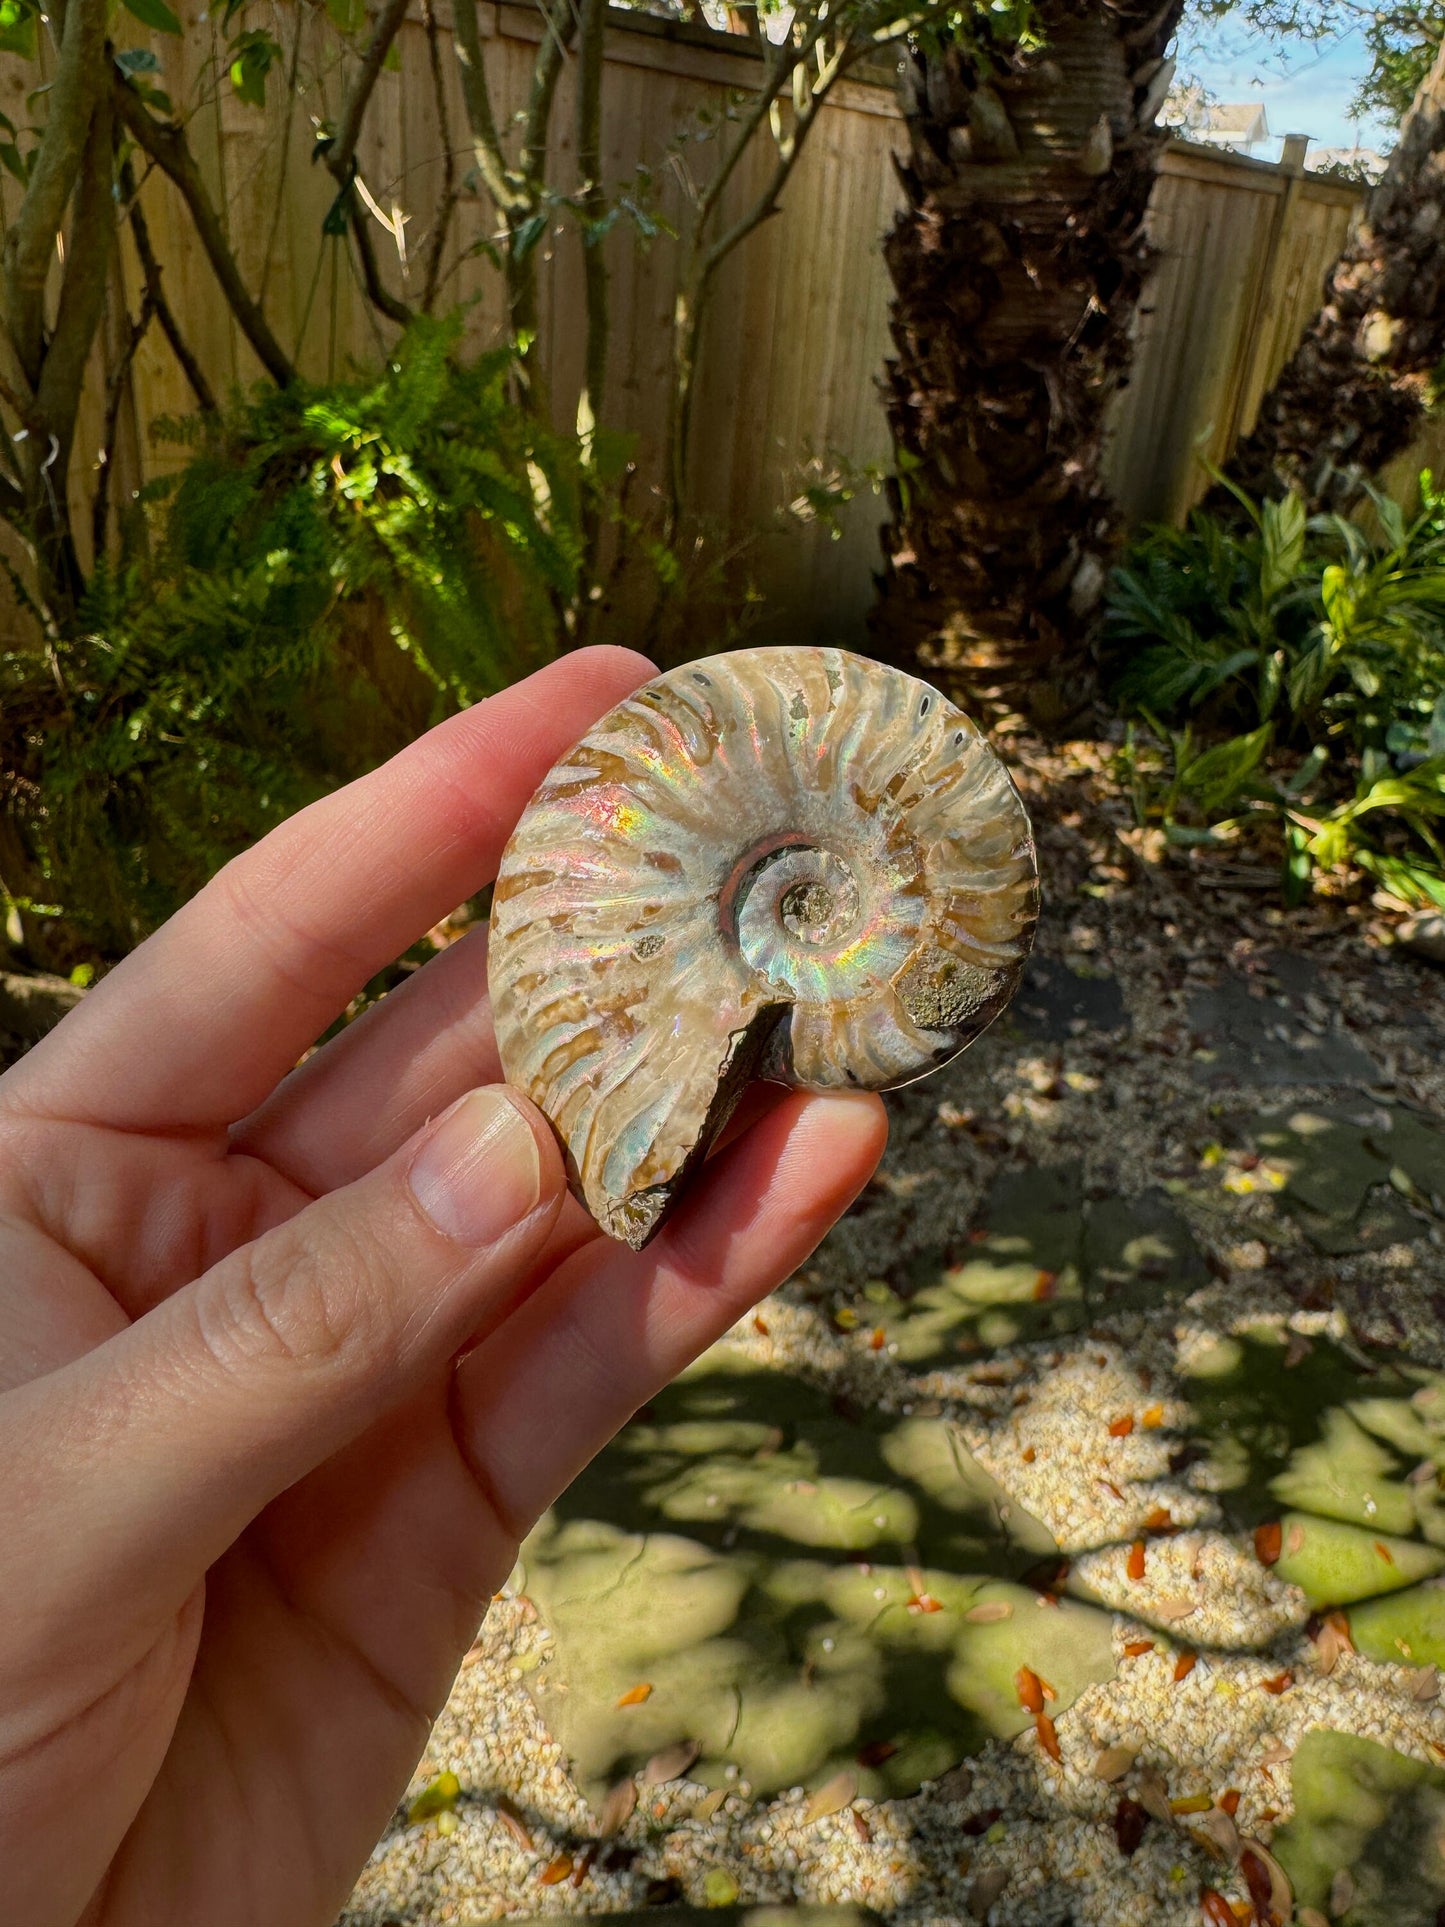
point(150, 1454)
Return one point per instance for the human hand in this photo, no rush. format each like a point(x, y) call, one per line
point(287, 1370)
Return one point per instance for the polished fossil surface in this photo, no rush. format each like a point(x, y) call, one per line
point(787, 863)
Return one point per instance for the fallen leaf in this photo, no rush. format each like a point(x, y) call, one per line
point(985, 1890)
point(1281, 1683)
point(1342, 1892)
point(1030, 1689)
point(671, 1763)
point(1130, 1820)
point(1028, 1455)
point(1135, 1566)
point(635, 1695)
point(511, 1818)
point(1048, 1736)
point(1161, 1519)
point(860, 1826)
point(1121, 1427)
point(1114, 1762)
point(877, 1339)
point(1229, 1801)
point(875, 1752)
point(1268, 1883)
point(1045, 1285)
point(831, 1797)
point(989, 1611)
point(1424, 1683)
point(1152, 1418)
point(438, 1796)
point(709, 1804)
point(1216, 1909)
point(1219, 1833)
point(1332, 1641)
point(1151, 1790)
point(584, 1864)
point(760, 1324)
point(1185, 1665)
point(980, 1822)
point(1177, 1606)
point(556, 1871)
point(1295, 1539)
point(1275, 1753)
point(1134, 1647)
point(1268, 1542)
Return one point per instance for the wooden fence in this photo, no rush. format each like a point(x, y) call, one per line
point(797, 332)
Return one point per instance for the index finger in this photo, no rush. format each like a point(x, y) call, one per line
point(197, 1026)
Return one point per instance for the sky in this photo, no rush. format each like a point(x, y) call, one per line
point(1305, 87)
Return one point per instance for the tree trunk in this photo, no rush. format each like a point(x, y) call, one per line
point(1017, 266)
point(1356, 389)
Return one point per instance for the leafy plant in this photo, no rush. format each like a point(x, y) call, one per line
point(334, 568)
point(1305, 660)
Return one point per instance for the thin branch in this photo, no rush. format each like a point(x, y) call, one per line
point(341, 158)
point(592, 196)
point(151, 270)
point(348, 131)
point(114, 394)
point(486, 141)
point(546, 70)
point(437, 241)
point(168, 148)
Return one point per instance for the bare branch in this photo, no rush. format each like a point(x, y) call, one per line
point(486, 141)
point(155, 295)
point(167, 146)
point(437, 241)
point(377, 292)
point(30, 243)
point(82, 292)
point(114, 394)
point(348, 132)
point(546, 70)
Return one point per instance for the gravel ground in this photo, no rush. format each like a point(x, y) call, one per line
point(1170, 1015)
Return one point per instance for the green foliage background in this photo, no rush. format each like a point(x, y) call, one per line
point(333, 569)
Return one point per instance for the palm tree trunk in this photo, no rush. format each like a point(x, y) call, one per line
point(1017, 265)
point(1356, 389)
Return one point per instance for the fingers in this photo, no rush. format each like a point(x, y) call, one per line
point(538, 1400)
point(151, 1454)
point(349, 1106)
point(198, 1025)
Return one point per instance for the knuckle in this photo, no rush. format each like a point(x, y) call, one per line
point(282, 1302)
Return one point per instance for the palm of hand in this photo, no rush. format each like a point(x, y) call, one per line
point(240, 1672)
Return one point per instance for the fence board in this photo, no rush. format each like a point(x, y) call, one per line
point(797, 334)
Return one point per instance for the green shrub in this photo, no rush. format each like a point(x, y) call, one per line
point(333, 569)
point(1290, 676)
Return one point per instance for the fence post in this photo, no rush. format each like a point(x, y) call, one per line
point(1291, 164)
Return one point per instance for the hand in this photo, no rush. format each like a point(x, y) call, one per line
point(291, 1358)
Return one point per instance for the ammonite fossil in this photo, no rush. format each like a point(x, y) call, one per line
point(792, 864)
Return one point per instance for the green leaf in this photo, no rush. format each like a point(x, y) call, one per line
point(347, 16)
point(255, 54)
point(153, 13)
point(1216, 778)
point(1283, 527)
point(527, 234)
point(17, 28)
point(13, 162)
point(137, 60)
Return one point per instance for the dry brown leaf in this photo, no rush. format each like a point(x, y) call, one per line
point(1114, 1762)
point(1152, 1793)
point(989, 1611)
point(1294, 1539)
point(985, 1890)
point(511, 1818)
point(1219, 1833)
point(709, 1804)
point(831, 1797)
point(1332, 1641)
point(1424, 1683)
point(1342, 1892)
point(1176, 1607)
point(1276, 1753)
point(1268, 1882)
point(671, 1763)
point(556, 1870)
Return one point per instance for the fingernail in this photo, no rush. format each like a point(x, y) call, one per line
point(478, 1173)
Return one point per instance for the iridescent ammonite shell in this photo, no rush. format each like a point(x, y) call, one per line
point(793, 864)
